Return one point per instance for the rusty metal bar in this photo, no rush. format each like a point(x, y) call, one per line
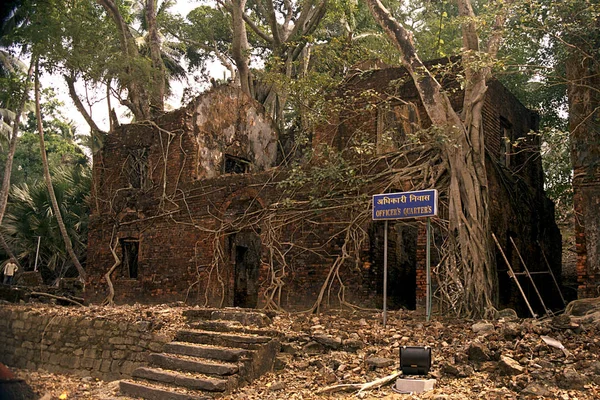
point(548, 312)
point(552, 274)
point(511, 273)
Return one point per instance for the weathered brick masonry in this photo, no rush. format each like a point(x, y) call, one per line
point(519, 208)
point(173, 213)
point(165, 190)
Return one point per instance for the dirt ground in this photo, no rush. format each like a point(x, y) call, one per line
point(506, 358)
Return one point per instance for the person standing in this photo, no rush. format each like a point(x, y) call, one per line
point(9, 271)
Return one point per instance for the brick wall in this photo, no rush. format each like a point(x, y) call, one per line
point(586, 201)
point(176, 216)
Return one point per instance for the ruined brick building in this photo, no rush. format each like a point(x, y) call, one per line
point(196, 209)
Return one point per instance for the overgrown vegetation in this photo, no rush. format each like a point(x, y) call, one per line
point(288, 56)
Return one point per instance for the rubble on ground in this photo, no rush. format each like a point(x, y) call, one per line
point(506, 358)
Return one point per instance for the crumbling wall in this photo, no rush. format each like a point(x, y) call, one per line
point(82, 346)
point(186, 216)
point(177, 251)
point(587, 243)
point(519, 208)
point(227, 121)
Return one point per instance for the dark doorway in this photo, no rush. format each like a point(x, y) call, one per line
point(129, 261)
point(246, 250)
point(402, 263)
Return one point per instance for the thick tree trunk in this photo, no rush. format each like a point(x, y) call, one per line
point(469, 228)
point(583, 75)
point(48, 179)
point(157, 97)
point(240, 47)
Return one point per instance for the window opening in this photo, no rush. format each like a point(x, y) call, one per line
point(394, 123)
point(235, 165)
point(130, 251)
point(137, 169)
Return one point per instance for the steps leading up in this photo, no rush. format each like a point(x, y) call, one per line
point(157, 392)
point(209, 352)
point(245, 317)
point(188, 381)
point(193, 364)
point(237, 340)
point(222, 350)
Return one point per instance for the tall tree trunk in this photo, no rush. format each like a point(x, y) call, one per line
point(48, 179)
point(240, 47)
point(469, 228)
point(583, 76)
point(12, 147)
point(157, 95)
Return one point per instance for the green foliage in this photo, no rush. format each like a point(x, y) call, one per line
point(207, 31)
point(61, 144)
point(558, 171)
point(333, 170)
point(29, 216)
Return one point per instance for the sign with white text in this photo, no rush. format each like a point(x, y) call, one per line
point(417, 204)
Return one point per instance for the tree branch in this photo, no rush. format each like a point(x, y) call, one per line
point(70, 80)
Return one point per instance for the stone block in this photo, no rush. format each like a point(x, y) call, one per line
point(155, 346)
point(118, 355)
point(85, 323)
point(18, 324)
point(115, 367)
point(87, 363)
point(105, 366)
point(67, 360)
point(128, 367)
point(27, 345)
point(54, 359)
point(406, 385)
point(116, 340)
point(98, 324)
point(89, 353)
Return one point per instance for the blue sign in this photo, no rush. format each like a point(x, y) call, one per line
point(422, 203)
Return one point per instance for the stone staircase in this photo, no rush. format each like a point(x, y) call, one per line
point(222, 350)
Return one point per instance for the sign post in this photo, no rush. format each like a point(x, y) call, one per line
point(428, 269)
point(385, 268)
point(393, 206)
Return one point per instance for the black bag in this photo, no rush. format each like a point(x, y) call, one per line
point(415, 360)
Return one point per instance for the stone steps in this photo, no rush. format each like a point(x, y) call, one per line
point(236, 340)
point(209, 352)
point(246, 318)
point(192, 364)
point(154, 391)
point(188, 381)
point(232, 327)
point(212, 358)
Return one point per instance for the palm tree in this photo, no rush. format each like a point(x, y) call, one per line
point(30, 215)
